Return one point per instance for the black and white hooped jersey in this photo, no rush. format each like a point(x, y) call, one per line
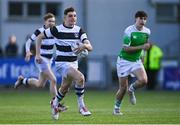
point(47, 44)
point(67, 38)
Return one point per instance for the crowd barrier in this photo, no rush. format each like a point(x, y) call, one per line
point(11, 68)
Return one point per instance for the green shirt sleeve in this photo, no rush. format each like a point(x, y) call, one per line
point(126, 40)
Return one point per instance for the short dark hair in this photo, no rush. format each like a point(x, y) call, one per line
point(48, 15)
point(69, 9)
point(141, 14)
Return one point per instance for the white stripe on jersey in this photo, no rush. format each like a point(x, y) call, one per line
point(45, 51)
point(33, 37)
point(65, 53)
point(48, 41)
point(67, 42)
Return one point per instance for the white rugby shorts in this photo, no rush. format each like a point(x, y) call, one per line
point(45, 65)
point(62, 67)
point(125, 67)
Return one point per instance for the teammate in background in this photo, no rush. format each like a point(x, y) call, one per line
point(129, 62)
point(71, 40)
point(46, 52)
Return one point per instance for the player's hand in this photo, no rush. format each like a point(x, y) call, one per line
point(38, 59)
point(146, 46)
point(28, 56)
point(79, 49)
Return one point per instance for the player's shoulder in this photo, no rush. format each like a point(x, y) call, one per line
point(129, 29)
point(39, 30)
point(147, 30)
point(77, 27)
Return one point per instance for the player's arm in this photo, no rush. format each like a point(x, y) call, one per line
point(131, 49)
point(38, 46)
point(86, 43)
point(28, 52)
point(143, 55)
point(31, 39)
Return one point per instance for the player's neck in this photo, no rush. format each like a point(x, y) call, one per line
point(68, 25)
point(138, 27)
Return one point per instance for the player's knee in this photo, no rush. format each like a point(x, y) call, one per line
point(143, 80)
point(123, 87)
point(40, 85)
point(81, 79)
point(53, 81)
point(64, 90)
point(71, 73)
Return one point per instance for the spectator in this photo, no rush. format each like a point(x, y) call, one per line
point(1, 52)
point(11, 49)
point(152, 64)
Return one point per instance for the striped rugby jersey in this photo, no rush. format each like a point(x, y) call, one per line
point(47, 44)
point(67, 39)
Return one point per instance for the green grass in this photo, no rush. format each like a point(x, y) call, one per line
point(32, 107)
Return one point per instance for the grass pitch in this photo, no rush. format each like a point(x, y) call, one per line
point(32, 107)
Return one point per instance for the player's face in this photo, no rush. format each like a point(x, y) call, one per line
point(50, 22)
point(70, 19)
point(141, 21)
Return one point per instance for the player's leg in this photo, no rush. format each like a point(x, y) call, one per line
point(123, 70)
point(73, 75)
point(51, 77)
point(33, 82)
point(56, 106)
point(141, 81)
point(64, 88)
point(79, 80)
point(123, 85)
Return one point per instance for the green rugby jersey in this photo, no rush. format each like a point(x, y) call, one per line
point(134, 37)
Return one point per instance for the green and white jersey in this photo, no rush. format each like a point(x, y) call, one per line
point(134, 37)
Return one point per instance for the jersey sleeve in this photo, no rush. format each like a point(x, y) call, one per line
point(149, 34)
point(126, 38)
point(35, 34)
point(28, 45)
point(31, 39)
point(82, 35)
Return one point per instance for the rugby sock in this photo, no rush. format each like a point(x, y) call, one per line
point(80, 94)
point(25, 81)
point(132, 87)
point(117, 104)
point(59, 96)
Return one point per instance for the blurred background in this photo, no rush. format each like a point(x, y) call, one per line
point(104, 21)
